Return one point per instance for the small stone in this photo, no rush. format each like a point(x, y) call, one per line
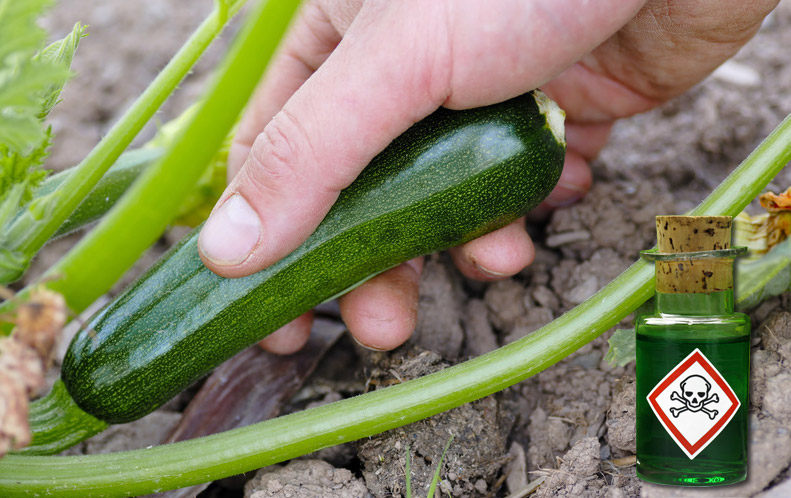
point(479, 336)
point(544, 296)
point(516, 469)
point(583, 291)
point(621, 417)
point(505, 300)
point(305, 479)
point(560, 239)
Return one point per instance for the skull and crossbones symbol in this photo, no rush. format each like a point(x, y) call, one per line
point(695, 396)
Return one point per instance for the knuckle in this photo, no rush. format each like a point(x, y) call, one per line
point(280, 156)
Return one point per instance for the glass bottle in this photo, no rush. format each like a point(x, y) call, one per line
point(693, 360)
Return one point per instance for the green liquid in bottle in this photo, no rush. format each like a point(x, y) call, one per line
point(680, 325)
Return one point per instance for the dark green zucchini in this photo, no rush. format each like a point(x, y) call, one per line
point(107, 191)
point(450, 178)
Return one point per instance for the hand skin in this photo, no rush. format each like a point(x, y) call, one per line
point(352, 75)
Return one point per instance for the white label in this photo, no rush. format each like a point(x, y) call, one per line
point(694, 403)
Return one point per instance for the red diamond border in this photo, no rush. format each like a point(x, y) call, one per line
point(696, 356)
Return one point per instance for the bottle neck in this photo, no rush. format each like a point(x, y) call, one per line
point(713, 303)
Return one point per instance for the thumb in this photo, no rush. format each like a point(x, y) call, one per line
point(397, 63)
point(325, 134)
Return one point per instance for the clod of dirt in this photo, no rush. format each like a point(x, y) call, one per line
point(772, 360)
point(516, 469)
point(782, 490)
point(479, 337)
point(621, 418)
point(573, 404)
point(775, 334)
point(438, 326)
point(538, 273)
point(577, 475)
point(581, 474)
point(476, 454)
point(305, 479)
point(513, 311)
point(575, 282)
point(615, 216)
point(506, 302)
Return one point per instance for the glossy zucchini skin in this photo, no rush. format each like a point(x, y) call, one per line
point(450, 178)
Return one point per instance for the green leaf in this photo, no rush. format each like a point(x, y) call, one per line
point(23, 77)
point(622, 348)
point(19, 177)
point(11, 198)
point(30, 83)
point(408, 474)
point(19, 33)
point(435, 480)
point(30, 230)
point(59, 54)
point(759, 279)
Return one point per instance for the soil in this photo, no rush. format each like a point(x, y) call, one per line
point(569, 428)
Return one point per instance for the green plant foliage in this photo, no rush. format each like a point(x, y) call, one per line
point(622, 348)
point(30, 83)
point(16, 169)
point(408, 473)
point(19, 177)
point(199, 203)
point(60, 54)
point(24, 78)
point(433, 487)
point(20, 163)
point(34, 227)
point(767, 276)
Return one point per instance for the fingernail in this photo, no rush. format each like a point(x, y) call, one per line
point(230, 233)
point(490, 273)
point(565, 194)
point(366, 346)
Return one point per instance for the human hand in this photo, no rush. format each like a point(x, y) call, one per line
point(351, 76)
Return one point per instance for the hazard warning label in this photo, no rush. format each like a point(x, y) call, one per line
point(694, 403)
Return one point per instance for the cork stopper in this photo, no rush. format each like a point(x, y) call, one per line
point(681, 234)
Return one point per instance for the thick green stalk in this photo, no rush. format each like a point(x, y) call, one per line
point(59, 422)
point(107, 191)
point(200, 460)
point(143, 213)
point(42, 219)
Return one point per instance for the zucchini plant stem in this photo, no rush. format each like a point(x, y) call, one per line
point(200, 460)
point(101, 257)
point(30, 231)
